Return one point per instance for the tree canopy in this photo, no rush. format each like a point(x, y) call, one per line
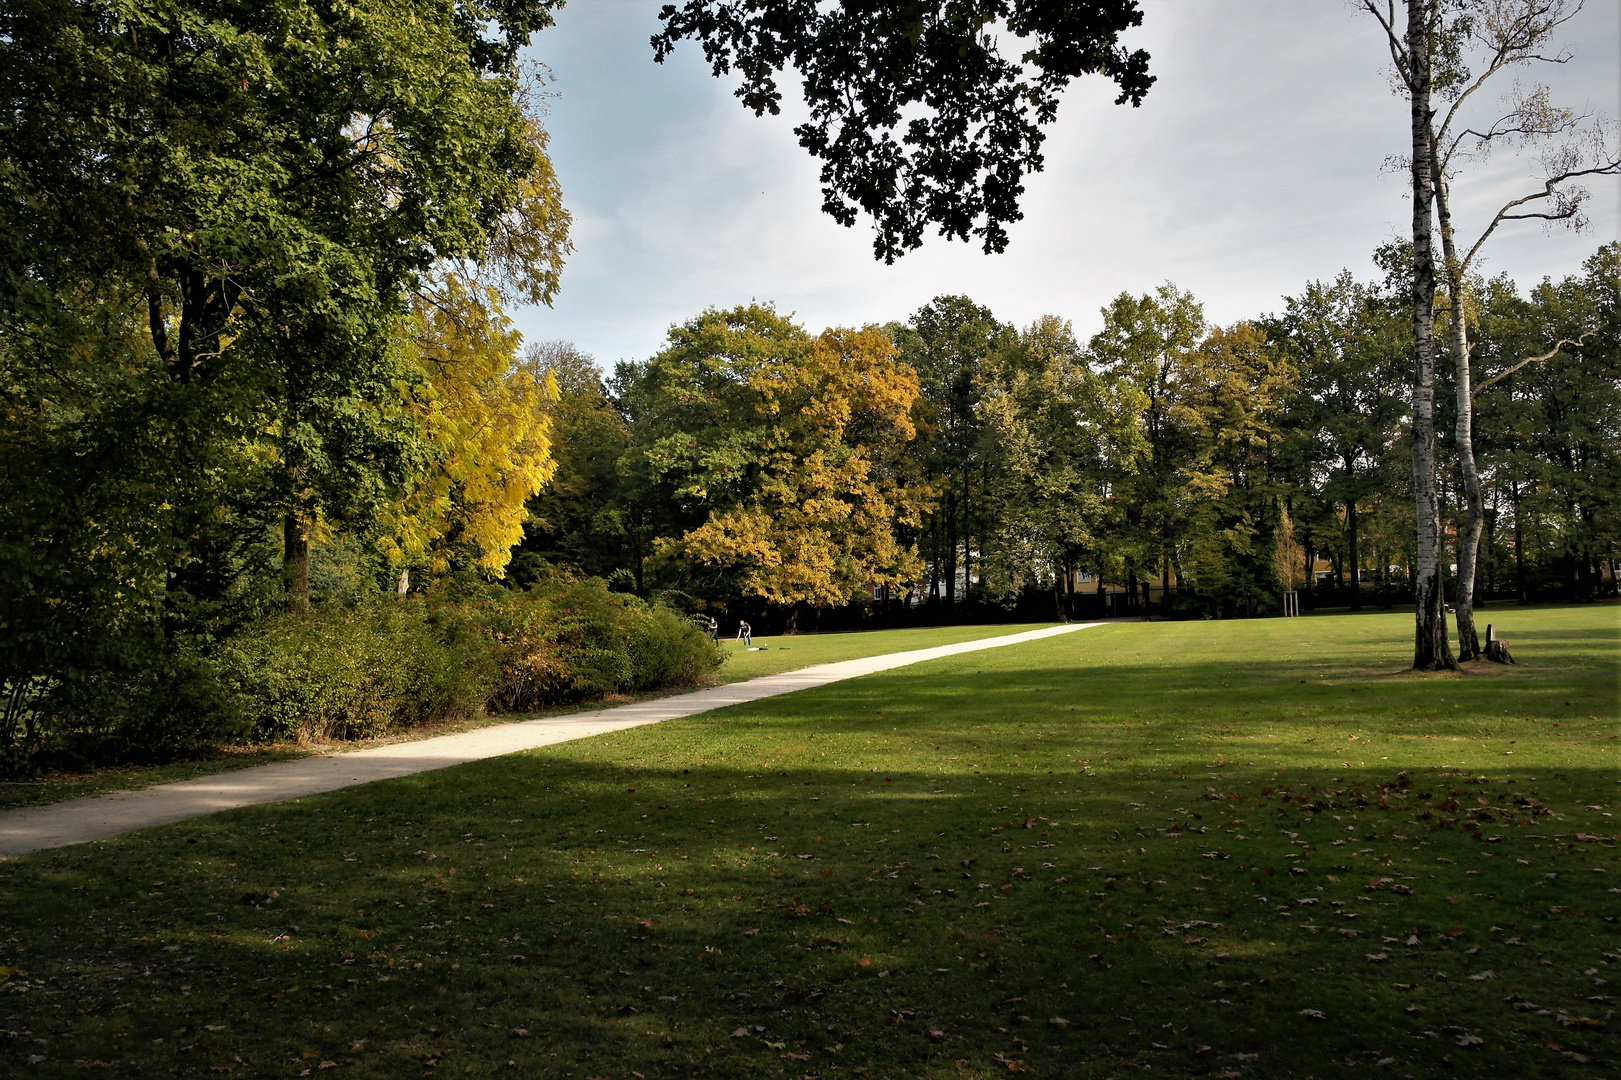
point(918, 117)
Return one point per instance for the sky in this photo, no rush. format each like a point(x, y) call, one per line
point(1257, 163)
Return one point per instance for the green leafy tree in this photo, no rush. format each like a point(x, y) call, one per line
point(1053, 428)
point(1550, 421)
point(215, 213)
point(1143, 344)
point(947, 342)
point(918, 118)
point(1350, 342)
point(583, 517)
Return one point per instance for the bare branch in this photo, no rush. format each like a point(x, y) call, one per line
point(1398, 53)
point(1500, 376)
point(1567, 203)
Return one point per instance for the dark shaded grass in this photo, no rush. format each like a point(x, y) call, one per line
point(1154, 834)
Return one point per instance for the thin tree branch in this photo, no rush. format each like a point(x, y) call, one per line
point(1608, 169)
point(1500, 376)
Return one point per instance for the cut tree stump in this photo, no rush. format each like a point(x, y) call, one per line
point(1496, 648)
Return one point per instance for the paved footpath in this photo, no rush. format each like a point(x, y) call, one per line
point(98, 817)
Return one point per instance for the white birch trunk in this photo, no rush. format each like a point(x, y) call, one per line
point(1431, 649)
point(1463, 433)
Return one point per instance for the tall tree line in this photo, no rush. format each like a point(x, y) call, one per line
point(1157, 458)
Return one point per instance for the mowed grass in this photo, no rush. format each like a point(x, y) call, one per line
point(1200, 849)
point(789, 653)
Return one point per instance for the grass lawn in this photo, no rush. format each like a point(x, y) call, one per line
point(1237, 849)
point(774, 655)
point(778, 654)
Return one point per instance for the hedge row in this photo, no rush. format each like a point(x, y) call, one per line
point(364, 670)
point(354, 674)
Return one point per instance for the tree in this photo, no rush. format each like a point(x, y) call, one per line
point(972, 117)
point(582, 517)
point(1511, 34)
point(1143, 345)
point(1348, 342)
point(766, 445)
point(487, 421)
point(947, 342)
point(213, 216)
point(1227, 397)
point(1551, 421)
point(1413, 49)
point(1049, 425)
point(1432, 57)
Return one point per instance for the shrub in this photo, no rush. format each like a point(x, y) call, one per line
point(669, 650)
point(352, 674)
point(570, 641)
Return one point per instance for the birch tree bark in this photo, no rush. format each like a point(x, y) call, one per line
point(1412, 53)
point(1503, 34)
point(1463, 431)
point(1431, 649)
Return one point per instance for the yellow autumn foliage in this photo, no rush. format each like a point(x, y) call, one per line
point(819, 527)
point(486, 414)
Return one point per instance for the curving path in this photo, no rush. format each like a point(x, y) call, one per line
point(98, 817)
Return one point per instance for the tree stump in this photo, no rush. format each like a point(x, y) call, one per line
point(1496, 648)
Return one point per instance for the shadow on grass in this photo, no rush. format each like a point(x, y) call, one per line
point(604, 918)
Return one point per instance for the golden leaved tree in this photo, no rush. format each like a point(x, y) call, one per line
point(788, 450)
point(819, 529)
point(487, 415)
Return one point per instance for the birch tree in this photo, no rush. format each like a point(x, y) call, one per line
point(1511, 34)
point(1431, 55)
point(1413, 45)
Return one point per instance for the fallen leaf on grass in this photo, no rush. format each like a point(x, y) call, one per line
point(1483, 976)
point(1378, 957)
point(1313, 1014)
point(1470, 1040)
point(1059, 1022)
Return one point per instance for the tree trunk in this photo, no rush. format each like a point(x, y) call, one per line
point(295, 562)
point(951, 548)
point(1355, 554)
point(934, 562)
point(1520, 596)
point(1431, 649)
point(1463, 432)
point(1311, 573)
point(967, 538)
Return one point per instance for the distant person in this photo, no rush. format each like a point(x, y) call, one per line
point(746, 632)
point(714, 630)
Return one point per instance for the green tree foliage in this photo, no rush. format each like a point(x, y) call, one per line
point(917, 116)
point(1549, 428)
point(1054, 433)
point(583, 518)
point(1145, 342)
point(948, 342)
point(1351, 342)
point(211, 216)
